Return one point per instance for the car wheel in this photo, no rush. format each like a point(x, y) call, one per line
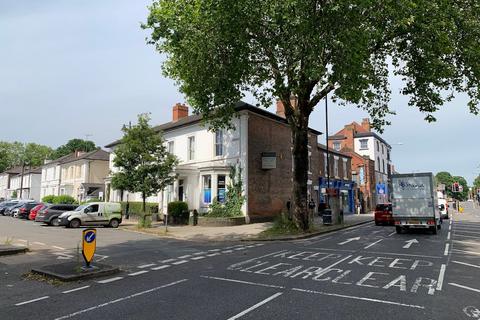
point(398, 229)
point(377, 223)
point(113, 223)
point(54, 222)
point(434, 229)
point(75, 223)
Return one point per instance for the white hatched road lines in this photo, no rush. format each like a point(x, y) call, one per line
point(475, 253)
point(213, 254)
point(198, 258)
point(467, 242)
point(185, 256)
point(179, 262)
point(466, 264)
point(71, 315)
point(161, 267)
point(372, 244)
point(359, 298)
point(465, 236)
point(244, 282)
point(391, 234)
point(138, 273)
point(168, 260)
point(464, 287)
point(146, 266)
point(244, 312)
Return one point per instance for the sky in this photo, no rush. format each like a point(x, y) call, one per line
point(76, 69)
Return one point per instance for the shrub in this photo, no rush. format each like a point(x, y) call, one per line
point(48, 199)
point(178, 210)
point(233, 199)
point(135, 208)
point(64, 199)
point(95, 200)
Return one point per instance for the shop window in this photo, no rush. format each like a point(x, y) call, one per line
point(207, 189)
point(219, 143)
point(221, 188)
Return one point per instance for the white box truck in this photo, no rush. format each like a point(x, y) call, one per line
point(414, 202)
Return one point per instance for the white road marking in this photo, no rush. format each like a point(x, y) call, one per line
point(213, 254)
point(76, 289)
point(168, 260)
point(120, 300)
point(338, 262)
point(405, 254)
point(463, 231)
point(465, 236)
point(464, 287)
point(101, 257)
point(449, 234)
point(244, 282)
point(441, 276)
point(109, 280)
point(372, 244)
point(360, 298)
point(180, 262)
point(214, 250)
point(39, 243)
point(467, 252)
point(349, 240)
point(138, 273)
point(198, 258)
point(447, 246)
point(59, 248)
point(227, 251)
point(450, 228)
point(160, 267)
point(240, 248)
point(146, 265)
point(409, 243)
point(198, 253)
point(466, 264)
point(33, 300)
point(467, 242)
point(185, 256)
point(22, 240)
point(244, 312)
point(391, 234)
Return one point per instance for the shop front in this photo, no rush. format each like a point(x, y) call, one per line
point(338, 190)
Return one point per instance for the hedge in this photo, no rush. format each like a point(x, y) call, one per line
point(135, 208)
point(61, 199)
point(178, 210)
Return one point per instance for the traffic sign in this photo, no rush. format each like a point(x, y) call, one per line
point(89, 243)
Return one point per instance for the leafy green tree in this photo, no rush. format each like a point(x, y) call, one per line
point(306, 49)
point(142, 159)
point(10, 154)
point(72, 146)
point(34, 154)
point(476, 182)
point(445, 178)
point(28, 154)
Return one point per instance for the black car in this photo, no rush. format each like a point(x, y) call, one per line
point(50, 213)
point(24, 209)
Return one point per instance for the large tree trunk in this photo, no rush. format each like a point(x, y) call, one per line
point(300, 172)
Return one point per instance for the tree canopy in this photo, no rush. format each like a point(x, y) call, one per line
point(142, 160)
point(305, 49)
point(73, 145)
point(17, 153)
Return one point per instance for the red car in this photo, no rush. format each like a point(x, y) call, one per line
point(383, 214)
point(33, 212)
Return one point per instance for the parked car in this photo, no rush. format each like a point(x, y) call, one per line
point(383, 214)
point(95, 213)
point(5, 205)
point(9, 210)
point(23, 210)
point(443, 207)
point(51, 212)
point(34, 210)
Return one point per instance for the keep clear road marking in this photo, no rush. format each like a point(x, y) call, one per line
point(466, 264)
point(447, 246)
point(71, 315)
point(464, 287)
point(244, 282)
point(409, 243)
point(109, 280)
point(359, 298)
point(244, 312)
point(349, 240)
point(76, 289)
point(33, 300)
point(441, 276)
point(372, 244)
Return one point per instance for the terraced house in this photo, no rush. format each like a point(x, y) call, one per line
point(259, 145)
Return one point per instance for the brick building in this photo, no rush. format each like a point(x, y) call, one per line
point(260, 144)
point(371, 162)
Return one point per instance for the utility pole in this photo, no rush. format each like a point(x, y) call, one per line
point(328, 154)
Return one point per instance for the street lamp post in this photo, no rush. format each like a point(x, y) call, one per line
point(328, 154)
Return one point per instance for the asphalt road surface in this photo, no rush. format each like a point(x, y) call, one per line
point(366, 272)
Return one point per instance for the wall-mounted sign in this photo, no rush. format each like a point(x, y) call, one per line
point(269, 160)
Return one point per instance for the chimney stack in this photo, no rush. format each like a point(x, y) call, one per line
point(180, 111)
point(366, 124)
point(281, 107)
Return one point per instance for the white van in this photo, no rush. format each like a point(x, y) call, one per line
point(92, 214)
point(443, 207)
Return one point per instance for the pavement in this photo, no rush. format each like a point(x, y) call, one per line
point(363, 272)
point(237, 233)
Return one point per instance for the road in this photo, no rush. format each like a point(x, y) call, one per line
point(366, 272)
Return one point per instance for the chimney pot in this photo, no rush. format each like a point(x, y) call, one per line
point(180, 111)
point(366, 124)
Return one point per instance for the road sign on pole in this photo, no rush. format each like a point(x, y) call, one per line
point(89, 244)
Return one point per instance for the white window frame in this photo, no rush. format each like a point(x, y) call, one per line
point(218, 143)
point(191, 148)
point(335, 166)
point(345, 175)
point(363, 144)
point(337, 146)
point(171, 147)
